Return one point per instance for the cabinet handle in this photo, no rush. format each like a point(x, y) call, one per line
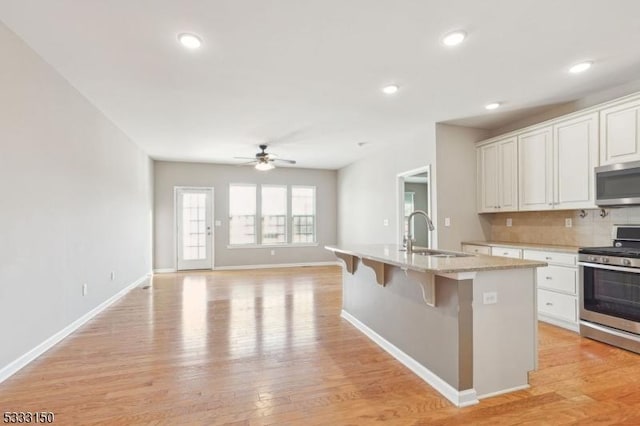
point(548, 258)
point(505, 254)
point(548, 278)
point(549, 304)
point(550, 204)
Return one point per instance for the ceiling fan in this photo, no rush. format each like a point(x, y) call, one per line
point(263, 160)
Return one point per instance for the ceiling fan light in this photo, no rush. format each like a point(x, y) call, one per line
point(264, 166)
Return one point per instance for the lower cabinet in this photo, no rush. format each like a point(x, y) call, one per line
point(506, 252)
point(558, 288)
point(476, 249)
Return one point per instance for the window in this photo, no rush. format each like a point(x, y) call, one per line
point(274, 214)
point(242, 214)
point(279, 206)
point(303, 214)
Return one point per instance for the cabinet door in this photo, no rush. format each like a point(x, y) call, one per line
point(487, 156)
point(620, 133)
point(508, 175)
point(575, 151)
point(535, 169)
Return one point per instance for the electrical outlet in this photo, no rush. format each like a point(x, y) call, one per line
point(85, 289)
point(490, 298)
point(509, 222)
point(113, 275)
point(568, 223)
point(385, 222)
point(447, 222)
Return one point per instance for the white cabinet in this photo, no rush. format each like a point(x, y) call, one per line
point(498, 176)
point(575, 155)
point(556, 164)
point(476, 249)
point(557, 286)
point(535, 169)
point(515, 253)
point(620, 133)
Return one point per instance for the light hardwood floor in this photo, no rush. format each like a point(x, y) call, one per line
point(268, 347)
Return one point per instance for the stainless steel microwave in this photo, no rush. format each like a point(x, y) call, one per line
point(618, 184)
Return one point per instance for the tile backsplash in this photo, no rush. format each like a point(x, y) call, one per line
point(549, 227)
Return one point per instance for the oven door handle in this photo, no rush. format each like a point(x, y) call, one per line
point(610, 267)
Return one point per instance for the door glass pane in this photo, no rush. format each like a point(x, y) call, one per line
point(194, 226)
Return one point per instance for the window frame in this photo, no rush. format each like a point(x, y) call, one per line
point(289, 229)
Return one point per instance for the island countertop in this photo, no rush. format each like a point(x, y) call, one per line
point(393, 254)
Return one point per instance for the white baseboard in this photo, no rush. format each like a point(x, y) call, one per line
point(276, 265)
point(459, 398)
point(514, 389)
point(164, 270)
point(559, 323)
point(24, 360)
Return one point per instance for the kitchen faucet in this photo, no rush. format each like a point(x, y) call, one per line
point(408, 239)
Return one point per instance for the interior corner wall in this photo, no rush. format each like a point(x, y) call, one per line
point(168, 175)
point(76, 203)
point(367, 190)
point(457, 177)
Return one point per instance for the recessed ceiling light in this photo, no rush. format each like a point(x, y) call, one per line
point(391, 89)
point(492, 105)
point(581, 67)
point(454, 38)
point(190, 41)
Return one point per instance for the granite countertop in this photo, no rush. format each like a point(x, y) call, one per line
point(393, 255)
point(545, 247)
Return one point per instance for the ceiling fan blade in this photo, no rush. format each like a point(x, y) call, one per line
point(247, 163)
point(244, 158)
point(283, 160)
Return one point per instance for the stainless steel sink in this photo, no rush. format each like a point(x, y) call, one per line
point(439, 253)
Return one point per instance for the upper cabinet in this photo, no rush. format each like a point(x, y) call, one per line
point(575, 155)
point(620, 133)
point(551, 166)
point(535, 161)
point(498, 176)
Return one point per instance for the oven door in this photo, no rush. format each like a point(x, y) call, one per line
point(610, 296)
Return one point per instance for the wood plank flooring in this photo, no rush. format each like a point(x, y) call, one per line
point(268, 347)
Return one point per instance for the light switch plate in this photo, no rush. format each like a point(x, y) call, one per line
point(385, 222)
point(509, 221)
point(447, 221)
point(490, 298)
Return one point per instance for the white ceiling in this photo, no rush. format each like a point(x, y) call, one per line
point(306, 74)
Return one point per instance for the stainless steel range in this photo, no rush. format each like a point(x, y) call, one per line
point(610, 284)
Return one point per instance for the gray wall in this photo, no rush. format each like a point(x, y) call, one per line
point(171, 174)
point(367, 191)
point(456, 177)
point(76, 203)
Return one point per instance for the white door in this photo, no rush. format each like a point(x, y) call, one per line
point(575, 151)
point(194, 211)
point(535, 169)
point(620, 133)
point(488, 178)
point(508, 179)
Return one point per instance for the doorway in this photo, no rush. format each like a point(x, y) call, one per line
point(194, 234)
point(414, 193)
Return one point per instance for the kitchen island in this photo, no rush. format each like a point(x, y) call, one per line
point(466, 324)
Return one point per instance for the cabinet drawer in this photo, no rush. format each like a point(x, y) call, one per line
point(557, 305)
point(551, 257)
point(560, 278)
point(506, 252)
point(476, 249)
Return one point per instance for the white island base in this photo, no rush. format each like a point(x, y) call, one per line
point(479, 340)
